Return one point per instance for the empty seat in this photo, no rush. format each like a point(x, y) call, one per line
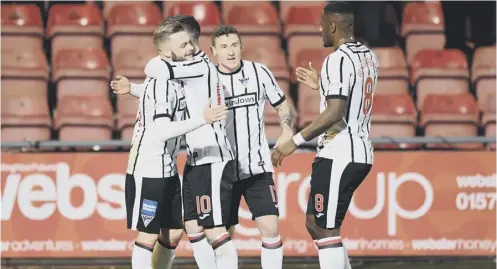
point(75, 26)
point(24, 72)
point(423, 27)
point(255, 41)
point(226, 6)
point(483, 73)
point(439, 72)
point(450, 116)
point(81, 72)
point(206, 13)
point(108, 5)
point(286, 6)
point(84, 118)
point(127, 107)
point(260, 18)
point(394, 116)
point(22, 26)
point(274, 59)
point(130, 26)
point(393, 76)
point(305, 42)
point(131, 62)
point(25, 117)
point(302, 19)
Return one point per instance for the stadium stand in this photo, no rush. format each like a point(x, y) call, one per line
point(87, 43)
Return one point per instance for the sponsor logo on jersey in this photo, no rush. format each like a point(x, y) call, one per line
point(243, 100)
point(149, 208)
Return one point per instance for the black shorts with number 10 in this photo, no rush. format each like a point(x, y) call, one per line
point(208, 192)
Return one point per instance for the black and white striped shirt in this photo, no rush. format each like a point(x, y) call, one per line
point(150, 156)
point(199, 77)
point(350, 73)
point(246, 90)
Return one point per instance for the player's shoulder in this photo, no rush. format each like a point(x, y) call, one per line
point(337, 58)
point(259, 67)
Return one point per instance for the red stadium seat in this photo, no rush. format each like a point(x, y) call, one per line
point(483, 73)
point(287, 6)
point(226, 6)
point(108, 5)
point(131, 62)
point(423, 27)
point(81, 72)
point(299, 43)
point(130, 26)
point(127, 107)
point(22, 26)
point(302, 19)
point(450, 116)
point(75, 26)
point(255, 41)
point(259, 18)
point(489, 113)
point(274, 59)
point(439, 72)
point(24, 72)
point(394, 116)
point(206, 13)
point(25, 117)
point(84, 118)
point(393, 76)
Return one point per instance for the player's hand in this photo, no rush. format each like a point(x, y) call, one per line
point(279, 153)
point(308, 77)
point(286, 134)
point(120, 85)
point(213, 114)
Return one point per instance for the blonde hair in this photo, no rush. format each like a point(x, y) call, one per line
point(165, 30)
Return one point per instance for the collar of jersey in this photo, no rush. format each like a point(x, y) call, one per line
point(198, 53)
point(231, 73)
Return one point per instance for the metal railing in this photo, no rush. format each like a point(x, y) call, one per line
point(97, 145)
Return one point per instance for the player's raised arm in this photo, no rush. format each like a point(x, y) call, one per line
point(121, 85)
point(166, 105)
point(278, 100)
point(339, 76)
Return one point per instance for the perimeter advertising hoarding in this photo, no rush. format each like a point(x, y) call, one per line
point(413, 203)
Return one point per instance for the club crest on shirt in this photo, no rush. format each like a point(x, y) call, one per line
point(181, 104)
point(149, 208)
point(244, 81)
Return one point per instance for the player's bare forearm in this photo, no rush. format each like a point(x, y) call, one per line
point(286, 116)
point(329, 117)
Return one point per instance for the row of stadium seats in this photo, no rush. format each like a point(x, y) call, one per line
point(129, 24)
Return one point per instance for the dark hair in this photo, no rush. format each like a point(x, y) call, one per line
point(345, 12)
point(189, 23)
point(223, 30)
point(339, 7)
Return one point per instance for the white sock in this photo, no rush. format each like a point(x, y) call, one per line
point(347, 262)
point(225, 251)
point(163, 255)
point(331, 253)
point(202, 251)
point(272, 253)
point(141, 257)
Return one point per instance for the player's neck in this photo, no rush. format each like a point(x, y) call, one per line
point(342, 40)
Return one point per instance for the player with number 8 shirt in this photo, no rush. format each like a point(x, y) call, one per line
point(346, 85)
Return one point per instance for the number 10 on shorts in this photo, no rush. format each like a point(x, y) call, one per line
point(203, 204)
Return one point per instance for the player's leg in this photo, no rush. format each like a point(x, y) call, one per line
point(202, 250)
point(236, 198)
point(260, 195)
point(214, 198)
point(332, 186)
point(171, 225)
point(143, 207)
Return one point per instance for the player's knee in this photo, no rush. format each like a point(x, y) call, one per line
point(171, 236)
point(268, 226)
point(231, 230)
point(215, 233)
point(311, 226)
point(192, 227)
point(147, 239)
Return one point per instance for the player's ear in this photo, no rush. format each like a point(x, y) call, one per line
point(213, 50)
